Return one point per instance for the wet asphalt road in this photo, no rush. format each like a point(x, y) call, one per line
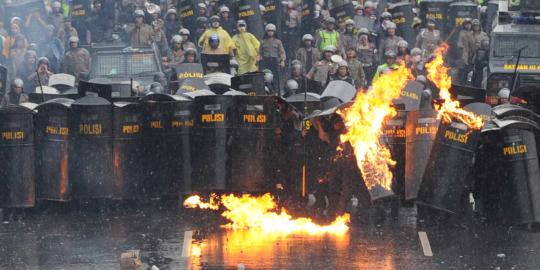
point(89, 239)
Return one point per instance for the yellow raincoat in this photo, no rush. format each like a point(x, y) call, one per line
point(247, 49)
point(225, 41)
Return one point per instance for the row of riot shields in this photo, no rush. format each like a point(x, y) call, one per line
point(160, 145)
point(446, 14)
point(508, 184)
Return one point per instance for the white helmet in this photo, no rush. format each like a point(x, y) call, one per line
point(184, 31)
point(224, 9)
point(307, 37)
point(73, 39)
point(504, 93)
point(270, 27)
point(18, 82)
point(176, 39)
point(56, 4)
point(292, 85)
point(138, 13)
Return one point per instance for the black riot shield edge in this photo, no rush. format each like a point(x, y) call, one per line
point(54, 146)
point(17, 160)
point(421, 128)
point(443, 186)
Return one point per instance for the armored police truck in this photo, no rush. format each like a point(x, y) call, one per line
point(123, 66)
point(515, 38)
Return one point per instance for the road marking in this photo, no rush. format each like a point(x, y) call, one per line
point(426, 247)
point(186, 247)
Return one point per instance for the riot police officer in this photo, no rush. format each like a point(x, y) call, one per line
point(307, 54)
point(328, 36)
point(390, 43)
point(367, 54)
point(323, 68)
point(77, 60)
point(272, 53)
point(348, 38)
point(429, 38)
point(15, 95)
point(140, 33)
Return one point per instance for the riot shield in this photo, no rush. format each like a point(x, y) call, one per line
point(308, 17)
point(393, 135)
point(189, 77)
point(211, 142)
point(304, 102)
point(95, 89)
point(17, 161)
point(218, 82)
point(435, 10)
point(250, 12)
point(21, 8)
point(491, 15)
point(420, 130)
point(62, 81)
point(54, 146)
point(444, 186)
point(507, 110)
point(341, 90)
point(249, 83)
point(215, 63)
point(402, 16)
point(163, 141)
point(410, 96)
point(519, 148)
point(342, 11)
point(272, 13)
point(187, 12)
point(91, 167)
point(251, 154)
point(3, 80)
point(127, 150)
point(458, 11)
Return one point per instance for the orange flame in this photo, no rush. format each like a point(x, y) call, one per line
point(196, 202)
point(261, 213)
point(364, 121)
point(450, 109)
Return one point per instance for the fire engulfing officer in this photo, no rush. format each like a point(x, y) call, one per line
point(15, 95)
point(77, 60)
point(323, 68)
point(272, 53)
point(247, 49)
point(339, 180)
point(307, 54)
point(225, 41)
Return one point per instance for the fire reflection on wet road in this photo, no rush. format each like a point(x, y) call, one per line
point(83, 240)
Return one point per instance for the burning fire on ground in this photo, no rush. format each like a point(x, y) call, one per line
point(450, 109)
point(262, 213)
point(364, 121)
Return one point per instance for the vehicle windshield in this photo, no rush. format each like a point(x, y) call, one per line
point(124, 64)
point(506, 46)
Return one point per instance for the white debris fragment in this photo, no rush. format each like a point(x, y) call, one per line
point(154, 267)
point(501, 255)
